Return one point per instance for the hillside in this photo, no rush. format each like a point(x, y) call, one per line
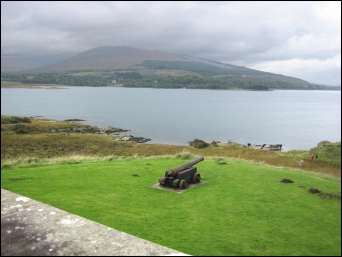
point(109, 58)
point(133, 67)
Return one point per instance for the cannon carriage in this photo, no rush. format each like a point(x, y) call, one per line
point(182, 176)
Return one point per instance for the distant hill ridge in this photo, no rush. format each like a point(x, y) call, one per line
point(109, 58)
point(154, 68)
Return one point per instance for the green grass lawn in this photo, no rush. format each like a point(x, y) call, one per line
point(242, 210)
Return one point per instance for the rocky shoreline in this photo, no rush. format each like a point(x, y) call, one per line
point(39, 124)
point(118, 134)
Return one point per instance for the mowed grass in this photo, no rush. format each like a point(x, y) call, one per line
point(243, 209)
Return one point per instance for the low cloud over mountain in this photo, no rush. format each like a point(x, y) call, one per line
point(300, 39)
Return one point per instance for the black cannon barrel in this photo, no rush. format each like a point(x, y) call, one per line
point(187, 165)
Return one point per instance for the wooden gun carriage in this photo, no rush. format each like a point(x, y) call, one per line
point(182, 176)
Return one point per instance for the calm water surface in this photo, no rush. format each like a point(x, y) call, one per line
point(297, 119)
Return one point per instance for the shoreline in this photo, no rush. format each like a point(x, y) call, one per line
point(40, 138)
point(19, 85)
point(101, 130)
point(33, 86)
point(60, 86)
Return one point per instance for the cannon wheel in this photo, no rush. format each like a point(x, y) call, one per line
point(162, 181)
point(175, 183)
point(196, 179)
point(183, 184)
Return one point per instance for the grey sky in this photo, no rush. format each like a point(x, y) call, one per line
point(301, 39)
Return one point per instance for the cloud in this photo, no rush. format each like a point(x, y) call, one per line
point(255, 34)
point(324, 71)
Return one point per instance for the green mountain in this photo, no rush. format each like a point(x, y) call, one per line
point(133, 67)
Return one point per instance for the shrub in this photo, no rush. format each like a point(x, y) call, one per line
point(21, 129)
point(328, 152)
point(198, 143)
point(14, 120)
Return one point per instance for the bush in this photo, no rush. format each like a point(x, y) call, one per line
point(215, 143)
point(21, 129)
point(328, 152)
point(14, 120)
point(198, 143)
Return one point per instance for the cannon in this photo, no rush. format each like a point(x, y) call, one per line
point(182, 176)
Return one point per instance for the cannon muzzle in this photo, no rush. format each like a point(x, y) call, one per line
point(187, 165)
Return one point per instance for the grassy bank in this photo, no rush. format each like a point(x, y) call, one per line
point(243, 209)
point(41, 139)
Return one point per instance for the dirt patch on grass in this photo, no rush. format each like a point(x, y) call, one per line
point(314, 191)
point(330, 196)
point(324, 195)
point(287, 181)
